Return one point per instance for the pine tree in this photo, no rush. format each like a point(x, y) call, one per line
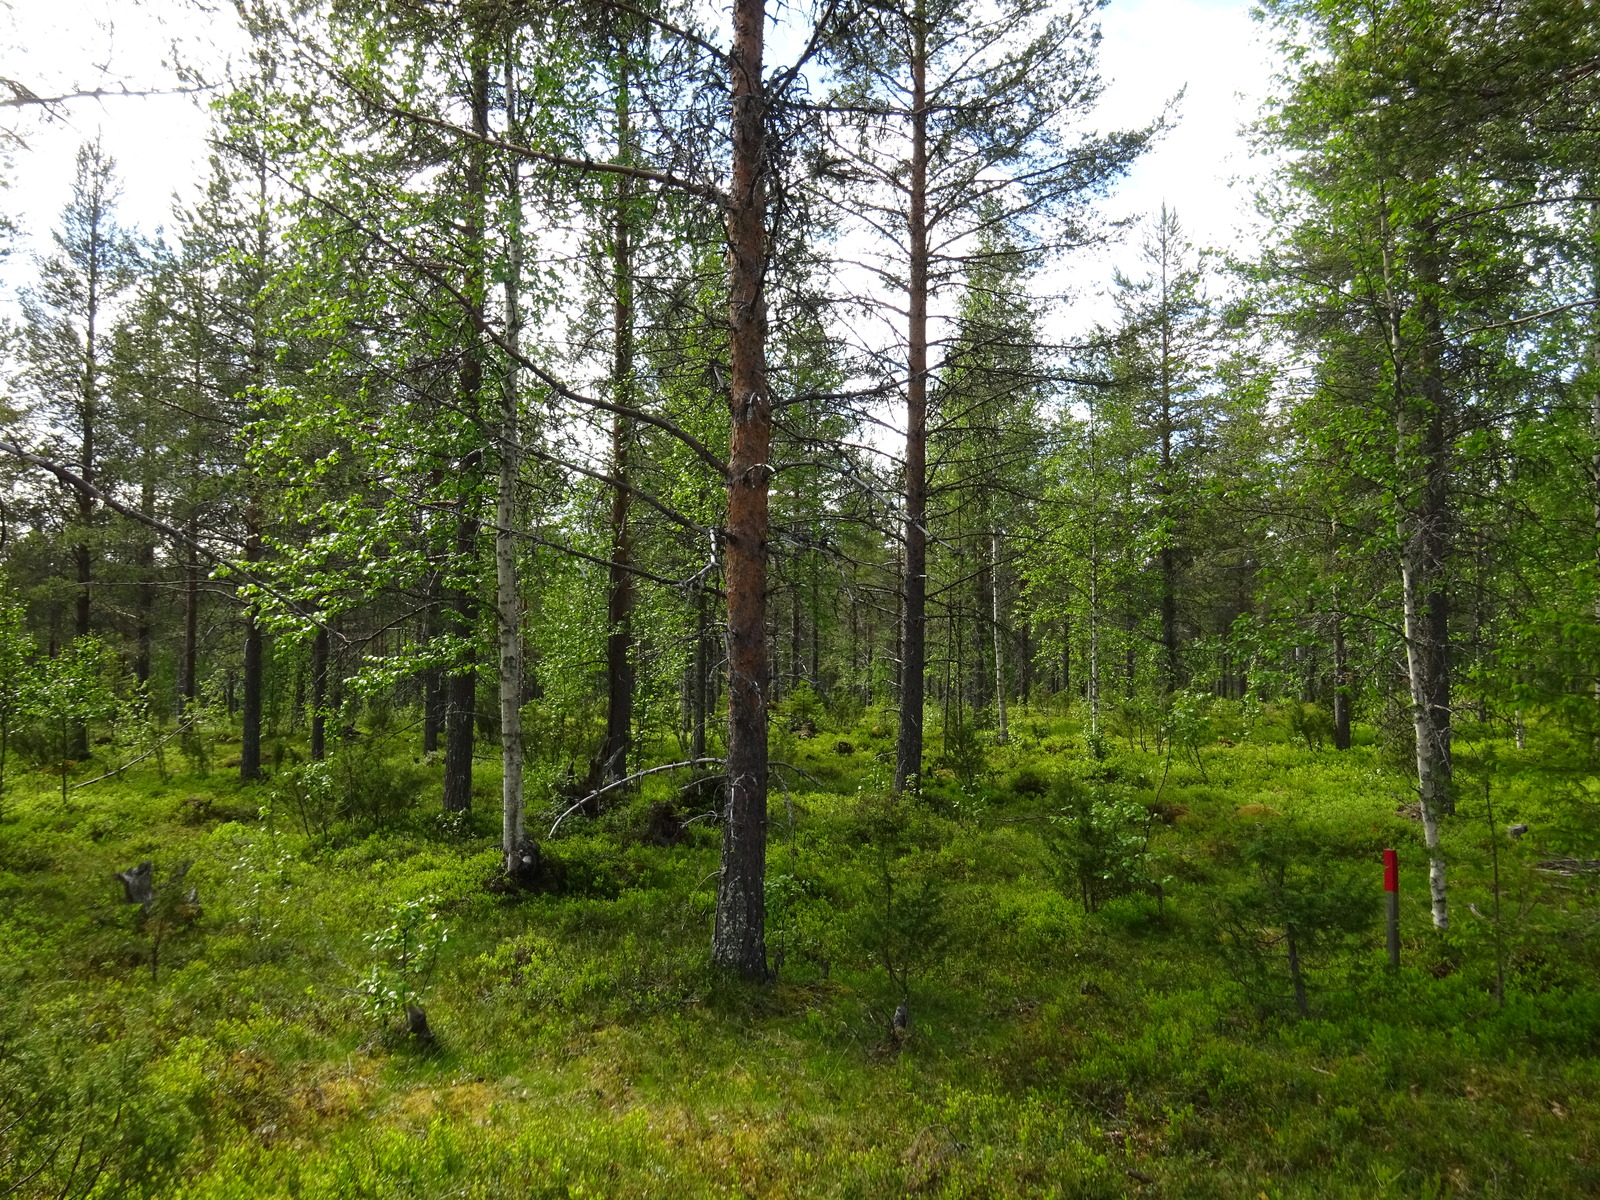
point(67, 316)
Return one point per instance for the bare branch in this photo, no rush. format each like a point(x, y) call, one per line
point(22, 96)
point(611, 787)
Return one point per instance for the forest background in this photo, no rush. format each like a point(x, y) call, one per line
point(635, 599)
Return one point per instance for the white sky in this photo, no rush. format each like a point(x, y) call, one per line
point(1151, 49)
point(1202, 168)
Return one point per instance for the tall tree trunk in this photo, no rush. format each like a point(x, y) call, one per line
point(1093, 682)
point(1002, 733)
point(899, 664)
point(1028, 650)
point(189, 668)
point(88, 469)
point(739, 940)
point(461, 686)
point(433, 698)
point(254, 662)
point(1341, 680)
point(254, 658)
point(619, 596)
point(319, 694)
point(1341, 655)
point(701, 669)
point(1433, 532)
point(914, 651)
point(1419, 448)
point(1171, 675)
point(519, 859)
point(815, 613)
point(796, 662)
point(145, 597)
point(461, 707)
point(853, 655)
point(1171, 672)
point(1594, 434)
point(1130, 664)
point(1429, 785)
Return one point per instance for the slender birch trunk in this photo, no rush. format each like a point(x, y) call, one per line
point(701, 672)
point(189, 672)
point(254, 664)
point(1427, 779)
point(1417, 532)
point(88, 468)
point(1093, 683)
point(1094, 646)
point(1168, 555)
point(433, 687)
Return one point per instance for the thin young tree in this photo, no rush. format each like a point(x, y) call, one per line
point(66, 318)
point(949, 122)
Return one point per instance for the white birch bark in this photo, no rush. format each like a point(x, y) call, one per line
point(1422, 725)
point(1412, 552)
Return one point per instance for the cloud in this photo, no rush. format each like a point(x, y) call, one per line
point(1213, 53)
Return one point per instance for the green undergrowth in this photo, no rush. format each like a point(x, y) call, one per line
point(1089, 948)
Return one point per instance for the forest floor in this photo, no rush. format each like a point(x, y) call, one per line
point(583, 1047)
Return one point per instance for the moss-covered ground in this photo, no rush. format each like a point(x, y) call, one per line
point(583, 1047)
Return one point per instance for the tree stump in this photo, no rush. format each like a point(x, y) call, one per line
point(417, 1025)
point(138, 884)
point(662, 827)
point(525, 868)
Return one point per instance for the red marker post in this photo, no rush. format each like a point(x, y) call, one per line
point(1391, 895)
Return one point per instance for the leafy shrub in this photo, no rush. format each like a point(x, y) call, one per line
point(802, 707)
point(846, 706)
point(784, 893)
point(1100, 840)
point(963, 752)
point(560, 734)
point(1310, 722)
point(584, 866)
point(358, 785)
point(594, 865)
point(1296, 907)
point(1187, 724)
point(86, 1107)
point(1396, 735)
point(260, 888)
point(899, 918)
point(1029, 782)
point(404, 954)
point(1136, 720)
